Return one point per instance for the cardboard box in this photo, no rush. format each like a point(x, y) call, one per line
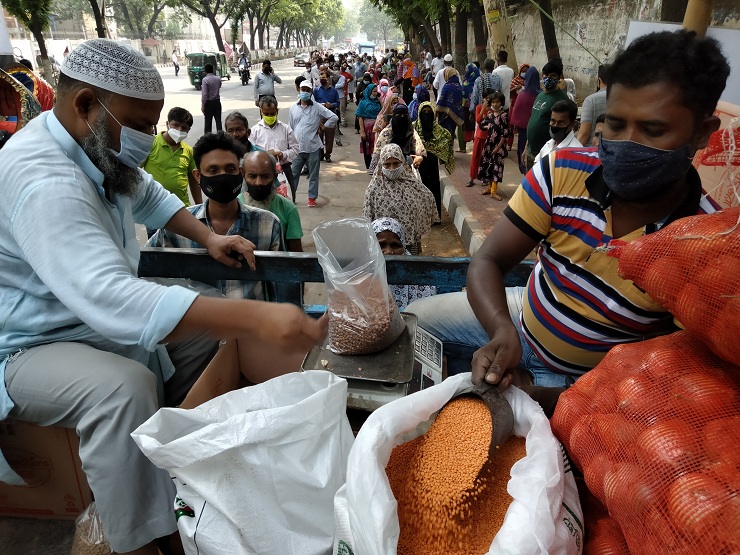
point(47, 458)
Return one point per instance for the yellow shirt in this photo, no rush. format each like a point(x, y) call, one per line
point(171, 167)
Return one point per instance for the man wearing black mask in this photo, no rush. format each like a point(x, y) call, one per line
point(562, 122)
point(217, 159)
point(576, 306)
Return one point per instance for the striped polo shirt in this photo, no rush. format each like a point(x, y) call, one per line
point(576, 306)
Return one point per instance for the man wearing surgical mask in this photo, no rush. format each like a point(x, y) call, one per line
point(84, 342)
point(170, 161)
point(562, 123)
point(217, 157)
point(640, 179)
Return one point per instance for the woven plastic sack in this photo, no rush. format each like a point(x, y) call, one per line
point(692, 267)
point(89, 536)
point(363, 316)
point(655, 429)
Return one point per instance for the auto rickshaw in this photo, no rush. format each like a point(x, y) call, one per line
point(197, 66)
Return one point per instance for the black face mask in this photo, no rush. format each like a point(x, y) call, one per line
point(400, 125)
point(222, 188)
point(426, 118)
point(259, 192)
point(558, 133)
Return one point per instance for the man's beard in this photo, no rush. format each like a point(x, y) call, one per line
point(117, 177)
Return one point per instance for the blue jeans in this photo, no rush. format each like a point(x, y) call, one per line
point(313, 160)
point(450, 318)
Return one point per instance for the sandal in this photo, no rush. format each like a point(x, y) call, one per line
point(470, 183)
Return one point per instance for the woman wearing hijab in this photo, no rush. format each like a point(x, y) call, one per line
point(438, 144)
point(449, 103)
point(366, 113)
point(521, 113)
point(466, 132)
point(421, 95)
point(384, 117)
point(400, 131)
point(384, 88)
point(395, 192)
point(392, 240)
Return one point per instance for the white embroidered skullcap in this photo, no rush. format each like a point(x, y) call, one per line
point(115, 67)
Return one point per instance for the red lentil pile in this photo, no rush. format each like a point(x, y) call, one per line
point(451, 496)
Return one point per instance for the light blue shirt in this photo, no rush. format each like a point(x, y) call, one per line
point(69, 257)
point(305, 120)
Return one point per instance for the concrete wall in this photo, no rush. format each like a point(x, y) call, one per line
point(600, 25)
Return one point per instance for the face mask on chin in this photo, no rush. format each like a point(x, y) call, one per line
point(222, 188)
point(633, 171)
point(135, 145)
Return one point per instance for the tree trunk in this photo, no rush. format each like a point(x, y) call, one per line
point(99, 21)
point(216, 30)
point(127, 17)
point(251, 30)
point(548, 31)
point(45, 62)
point(476, 14)
point(261, 34)
point(153, 20)
point(498, 24)
point(462, 15)
point(432, 36)
point(268, 36)
point(444, 29)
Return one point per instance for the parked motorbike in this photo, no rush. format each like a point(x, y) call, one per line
point(244, 68)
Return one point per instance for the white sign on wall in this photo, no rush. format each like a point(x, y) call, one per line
point(728, 38)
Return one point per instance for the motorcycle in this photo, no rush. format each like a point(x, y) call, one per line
point(244, 68)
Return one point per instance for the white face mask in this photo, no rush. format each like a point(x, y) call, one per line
point(393, 174)
point(135, 145)
point(177, 135)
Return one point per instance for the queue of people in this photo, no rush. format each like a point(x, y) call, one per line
point(87, 344)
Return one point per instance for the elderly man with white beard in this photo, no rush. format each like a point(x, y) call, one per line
point(85, 343)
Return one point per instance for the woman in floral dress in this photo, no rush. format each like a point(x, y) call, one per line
point(496, 124)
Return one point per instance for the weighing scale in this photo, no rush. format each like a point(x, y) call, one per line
point(412, 363)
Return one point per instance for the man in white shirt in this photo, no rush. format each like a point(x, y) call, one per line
point(307, 118)
point(276, 137)
point(506, 74)
point(562, 121)
point(175, 62)
point(439, 79)
point(437, 64)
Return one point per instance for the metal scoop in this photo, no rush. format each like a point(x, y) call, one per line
point(502, 417)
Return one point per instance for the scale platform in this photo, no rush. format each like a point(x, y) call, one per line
point(412, 363)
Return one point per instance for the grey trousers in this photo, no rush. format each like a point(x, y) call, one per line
point(105, 397)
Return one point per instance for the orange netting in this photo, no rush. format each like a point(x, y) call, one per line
point(722, 149)
point(692, 267)
point(655, 428)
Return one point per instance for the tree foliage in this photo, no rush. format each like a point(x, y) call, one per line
point(379, 25)
point(34, 15)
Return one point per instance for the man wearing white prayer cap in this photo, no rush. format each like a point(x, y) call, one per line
point(85, 343)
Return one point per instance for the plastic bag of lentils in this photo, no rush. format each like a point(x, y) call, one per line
point(363, 317)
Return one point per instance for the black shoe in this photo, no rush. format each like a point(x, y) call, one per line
point(327, 158)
